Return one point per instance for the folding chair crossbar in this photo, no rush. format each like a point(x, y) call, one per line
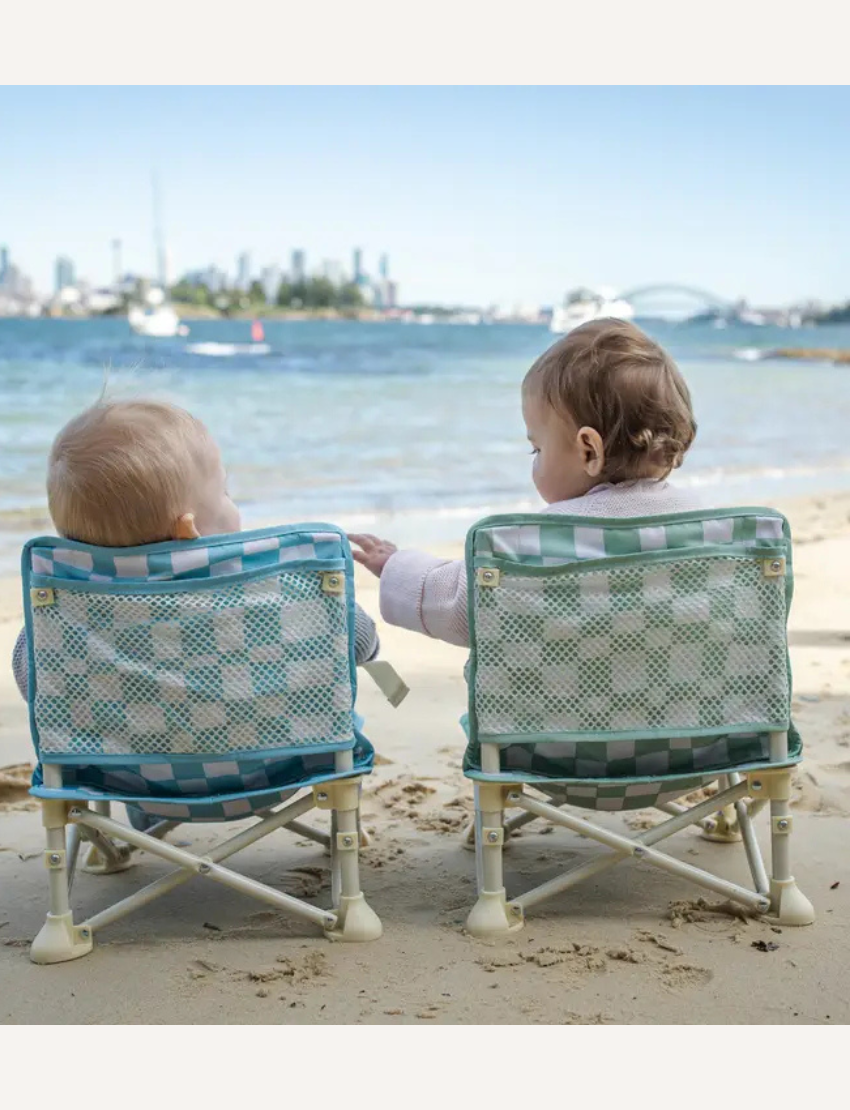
point(191, 865)
point(638, 846)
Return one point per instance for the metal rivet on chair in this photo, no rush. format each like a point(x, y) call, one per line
point(782, 824)
point(322, 797)
point(487, 576)
point(42, 595)
point(55, 858)
point(776, 566)
point(755, 785)
point(85, 933)
point(493, 837)
point(348, 841)
point(204, 868)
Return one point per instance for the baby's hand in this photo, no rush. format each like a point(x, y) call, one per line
point(375, 552)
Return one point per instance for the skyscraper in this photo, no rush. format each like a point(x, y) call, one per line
point(116, 263)
point(64, 273)
point(357, 274)
point(4, 263)
point(298, 268)
point(243, 271)
point(270, 279)
point(384, 267)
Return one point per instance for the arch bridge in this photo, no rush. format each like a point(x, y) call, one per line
point(660, 290)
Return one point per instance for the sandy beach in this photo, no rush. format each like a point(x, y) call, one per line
point(631, 946)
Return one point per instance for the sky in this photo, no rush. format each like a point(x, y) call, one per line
point(479, 195)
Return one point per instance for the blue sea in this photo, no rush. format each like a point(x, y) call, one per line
point(409, 428)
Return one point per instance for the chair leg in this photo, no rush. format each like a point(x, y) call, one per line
point(788, 904)
point(510, 826)
point(104, 856)
point(723, 826)
point(336, 871)
point(356, 920)
point(59, 939)
point(490, 917)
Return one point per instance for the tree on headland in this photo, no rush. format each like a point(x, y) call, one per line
point(318, 293)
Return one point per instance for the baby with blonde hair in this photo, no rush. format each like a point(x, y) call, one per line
point(130, 473)
point(125, 473)
point(608, 416)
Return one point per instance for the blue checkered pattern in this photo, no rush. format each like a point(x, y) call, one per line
point(218, 672)
point(220, 557)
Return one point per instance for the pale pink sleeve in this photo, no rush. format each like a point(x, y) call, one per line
point(426, 595)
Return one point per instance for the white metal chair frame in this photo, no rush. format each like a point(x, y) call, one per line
point(726, 816)
point(60, 939)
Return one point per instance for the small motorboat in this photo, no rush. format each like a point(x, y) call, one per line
point(229, 350)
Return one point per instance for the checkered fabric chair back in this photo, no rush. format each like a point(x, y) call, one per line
point(215, 649)
point(629, 647)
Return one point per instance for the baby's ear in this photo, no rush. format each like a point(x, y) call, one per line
point(184, 528)
point(591, 450)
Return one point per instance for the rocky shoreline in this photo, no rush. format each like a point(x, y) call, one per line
point(810, 354)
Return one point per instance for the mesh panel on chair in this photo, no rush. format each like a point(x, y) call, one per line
point(250, 666)
point(694, 643)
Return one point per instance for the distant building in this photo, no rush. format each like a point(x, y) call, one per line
point(64, 273)
point(4, 264)
point(390, 294)
point(270, 280)
point(243, 271)
point(357, 275)
point(212, 277)
point(384, 267)
point(116, 263)
point(298, 268)
point(332, 271)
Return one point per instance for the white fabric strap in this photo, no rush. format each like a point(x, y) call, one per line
point(388, 681)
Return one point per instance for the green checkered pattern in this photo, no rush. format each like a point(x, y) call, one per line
point(252, 666)
point(629, 648)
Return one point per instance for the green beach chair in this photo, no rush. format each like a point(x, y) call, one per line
point(208, 680)
point(624, 664)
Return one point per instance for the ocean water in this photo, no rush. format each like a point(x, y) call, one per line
point(413, 429)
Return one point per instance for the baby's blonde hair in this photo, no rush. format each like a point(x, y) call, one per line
point(121, 473)
point(609, 375)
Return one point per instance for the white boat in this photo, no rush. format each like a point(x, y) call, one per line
point(227, 350)
point(584, 305)
point(156, 322)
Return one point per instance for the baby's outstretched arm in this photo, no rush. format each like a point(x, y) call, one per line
point(418, 591)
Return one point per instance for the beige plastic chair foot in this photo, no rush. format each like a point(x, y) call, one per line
point(491, 917)
point(356, 920)
point(721, 828)
point(96, 863)
point(788, 904)
point(59, 940)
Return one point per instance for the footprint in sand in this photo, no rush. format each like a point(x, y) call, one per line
point(682, 976)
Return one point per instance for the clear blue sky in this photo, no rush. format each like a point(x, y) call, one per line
point(477, 194)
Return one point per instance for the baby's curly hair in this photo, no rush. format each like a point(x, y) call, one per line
point(610, 376)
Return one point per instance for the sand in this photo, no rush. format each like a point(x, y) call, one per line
point(633, 945)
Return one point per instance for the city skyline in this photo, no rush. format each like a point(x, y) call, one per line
point(486, 194)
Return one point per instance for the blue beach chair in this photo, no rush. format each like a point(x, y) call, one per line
point(208, 680)
point(622, 664)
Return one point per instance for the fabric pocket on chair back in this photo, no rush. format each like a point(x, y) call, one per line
point(252, 655)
